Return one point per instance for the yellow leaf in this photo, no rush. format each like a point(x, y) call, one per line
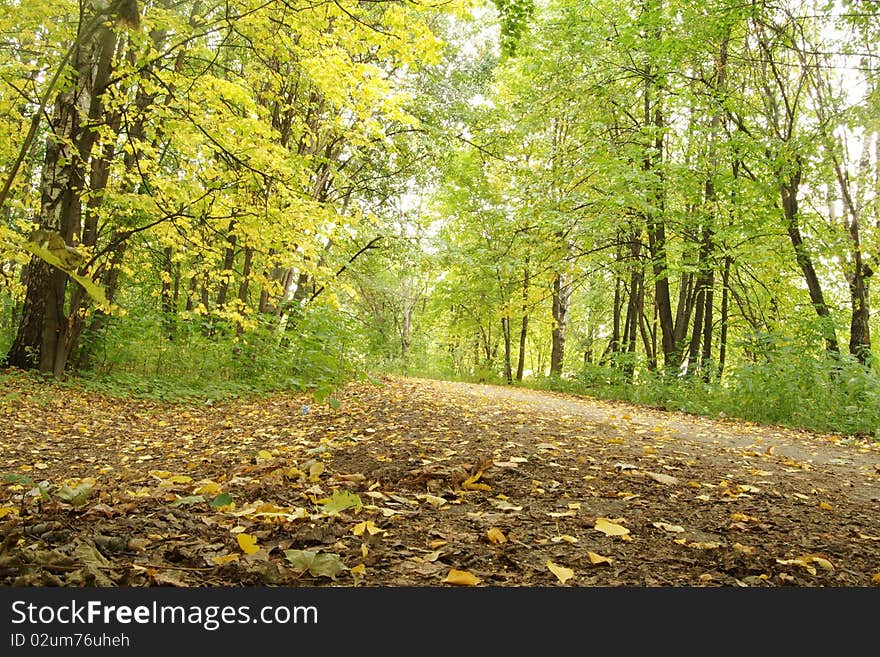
point(495, 535)
point(226, 558)
point(460, 578)
point(745, 549)
point(564, 537)
point(209, 488)
point(439, 542)
point(180, 479)
point(876, 579)
point(247, 543)
point(825, 505)
point(366, 526)
point(360, 569)
point(707, 545)
point(264, 454)
point(597, 559)
point(6, 510)
point(869, 538)
point(562, 573)
point(667, 527)
point(436, 501)
point(610, 528)
point(315, 471)
point(742, 517)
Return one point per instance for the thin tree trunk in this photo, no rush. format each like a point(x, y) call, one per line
point(559, 311)
point(524, 326)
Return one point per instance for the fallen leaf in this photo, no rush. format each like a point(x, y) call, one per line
point(610, 528)
point(317, 564)
point(366, 526)
point(662, 478)
point(315, 471)
point(825, 505)
point(225, 558)
point(562, 573)
point(667, 527)
point(247, 543)
point(807, 561)
point(460, 578)
point(496, 536)
point(342, 500)
point(597, 559)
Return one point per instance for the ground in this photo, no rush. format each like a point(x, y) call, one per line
point(423, 483)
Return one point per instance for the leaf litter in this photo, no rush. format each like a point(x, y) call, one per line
point(423, 483)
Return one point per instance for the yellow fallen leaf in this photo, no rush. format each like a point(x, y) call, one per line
point(825, 505)
point(745, 549)
point(366, 526)
point(460, 578)
point(225, 558)
point(562, 573)
point(864, 536)
point(610, 528)
point(807, 561)
point(247, 543)
point(564, 537)
point(742, 517)
point(439, 542)
point(264, 454)
point(360, 569)
point(6, 510)
point(435, 500)
point(180, 479)
point(315, 471)
point(471, 483)
point(876, 579)
point(209, 488)
point(597, 559)
point(496, 536)
point(704, 545)
point(667, 527)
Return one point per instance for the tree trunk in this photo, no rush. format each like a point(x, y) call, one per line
point(561, 293)
point(508, 369)
point(524, 326)
point(68, 151)
point(788, 192)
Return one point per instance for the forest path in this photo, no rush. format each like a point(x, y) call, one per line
point(841, 455)
point(414, 482)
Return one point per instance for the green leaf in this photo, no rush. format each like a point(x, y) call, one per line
point(223, 499)
point(188, 501)
point(76, 496)
point(341, 500)
point(318, 564)
point(14, 478)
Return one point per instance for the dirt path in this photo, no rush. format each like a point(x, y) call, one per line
point(842, 457)
point(412, 482)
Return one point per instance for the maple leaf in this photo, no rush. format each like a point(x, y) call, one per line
point(317, 564)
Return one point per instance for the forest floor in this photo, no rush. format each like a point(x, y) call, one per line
point(423, 483)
